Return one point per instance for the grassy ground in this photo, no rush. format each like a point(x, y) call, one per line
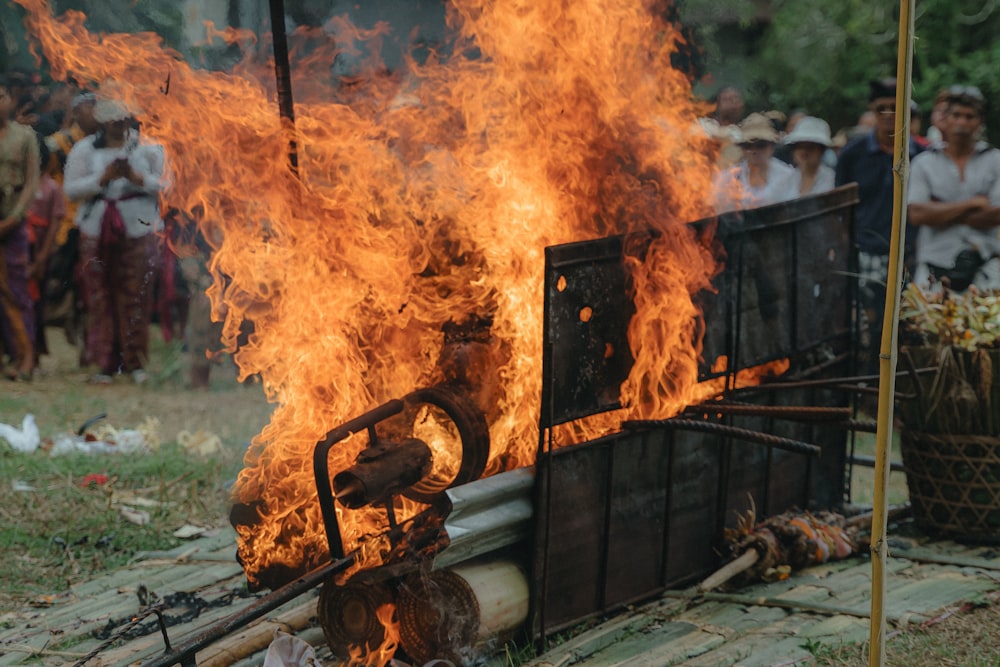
point(967, 637)
point(64, 519)
point(863, 478)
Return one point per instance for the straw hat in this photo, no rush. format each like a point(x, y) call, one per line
point(757, 127)
point(810, 129)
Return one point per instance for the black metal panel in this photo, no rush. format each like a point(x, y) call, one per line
point(575, 487)
point(787, 284)
point(693, 511)
point(637, 517)
point(622, 517)
point(824, 280)
point(587, 311)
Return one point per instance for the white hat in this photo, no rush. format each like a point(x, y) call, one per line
point(809, 129)
point(108, 111)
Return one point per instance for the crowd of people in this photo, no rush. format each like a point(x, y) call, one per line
point(81, 230)
point(953, 201)
point(80, 218)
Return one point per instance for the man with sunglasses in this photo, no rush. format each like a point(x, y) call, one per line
point(954, 200)
point(868, 161)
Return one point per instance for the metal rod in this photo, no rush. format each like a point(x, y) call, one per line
point(823, 382)
point(858, 425)
point(789, 412)
point(869, 462)
point(757, 437)
point(186, 650)
point(321, 466)
point(283, 76)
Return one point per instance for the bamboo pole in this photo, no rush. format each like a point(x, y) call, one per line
point(887, 350)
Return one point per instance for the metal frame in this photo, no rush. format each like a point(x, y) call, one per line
point(732, 466)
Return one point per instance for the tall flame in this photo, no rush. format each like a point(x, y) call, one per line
point(423, 196)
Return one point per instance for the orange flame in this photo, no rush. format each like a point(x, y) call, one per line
point(423, 196)
point(382, 654)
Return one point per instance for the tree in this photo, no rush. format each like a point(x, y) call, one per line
point(821, 55)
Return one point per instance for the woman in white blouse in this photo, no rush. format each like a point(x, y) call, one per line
point(759, 178)
point(116, 177)
point(809, 139)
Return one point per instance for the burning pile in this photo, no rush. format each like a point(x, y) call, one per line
point(423, 199)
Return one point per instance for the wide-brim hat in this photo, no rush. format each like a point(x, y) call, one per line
point(810, 129)
point(108, 111)
point(757, 127)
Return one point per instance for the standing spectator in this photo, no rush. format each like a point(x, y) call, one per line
point(916, 126)
point(116, 177)
point(809, 141)
point(954, 199)
point(934, 133)
point(44, 217)
point(759, 178)
point(722, 125)
point(65, 305)
point(55, 108)
point(19, 170)
point(867, 161)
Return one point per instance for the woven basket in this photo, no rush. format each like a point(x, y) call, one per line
point(954, 483)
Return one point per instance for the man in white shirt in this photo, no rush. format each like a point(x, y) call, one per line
point(954, 201)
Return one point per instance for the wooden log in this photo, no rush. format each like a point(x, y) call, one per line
point(452, 614)
point(730, 570)
point(256, 637)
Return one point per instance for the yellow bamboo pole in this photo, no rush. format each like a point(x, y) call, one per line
point(887, 349)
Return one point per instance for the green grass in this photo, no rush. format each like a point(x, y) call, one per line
point(863, 478)
point(54, 531)
point(62, 531)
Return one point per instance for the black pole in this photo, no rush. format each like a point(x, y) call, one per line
point(283, 74)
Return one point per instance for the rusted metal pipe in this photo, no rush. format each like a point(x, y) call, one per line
point(766, 439)
point(321, 466)
point(843, 382)
point(283, 77)
point(382, 471)
point(789, 412)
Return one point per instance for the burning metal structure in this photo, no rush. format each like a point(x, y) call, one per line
point(492, 244)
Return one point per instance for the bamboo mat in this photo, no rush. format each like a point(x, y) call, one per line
point(771, 624)
point(745, 628)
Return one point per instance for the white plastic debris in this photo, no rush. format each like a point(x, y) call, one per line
point(124, 442)
point(289, 651)
point(132, 515)
point(24, 439)
point(187, 531)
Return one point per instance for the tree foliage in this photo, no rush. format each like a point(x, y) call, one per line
point(820, 56)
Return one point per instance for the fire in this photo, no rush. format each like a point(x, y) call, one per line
point(422, 197)
point(745, 377)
